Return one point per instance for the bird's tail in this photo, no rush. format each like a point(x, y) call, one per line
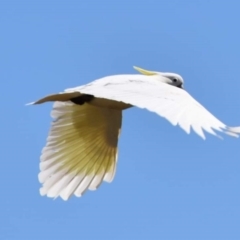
point(81, 149)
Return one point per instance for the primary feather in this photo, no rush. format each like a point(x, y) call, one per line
point(81, 149)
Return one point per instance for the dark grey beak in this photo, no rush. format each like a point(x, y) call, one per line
point(181, 86)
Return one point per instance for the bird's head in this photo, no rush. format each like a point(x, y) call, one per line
point(169, 78)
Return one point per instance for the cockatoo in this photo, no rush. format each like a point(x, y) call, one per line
point(81, 149)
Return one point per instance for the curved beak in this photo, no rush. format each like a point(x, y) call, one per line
point(181, 86)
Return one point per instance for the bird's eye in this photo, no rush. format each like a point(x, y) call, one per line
point(174, 80)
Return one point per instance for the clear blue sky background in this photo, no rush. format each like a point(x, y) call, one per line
point(169, 185)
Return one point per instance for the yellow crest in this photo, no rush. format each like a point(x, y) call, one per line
point(144, 72)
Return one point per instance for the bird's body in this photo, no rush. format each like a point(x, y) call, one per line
point(81, 149)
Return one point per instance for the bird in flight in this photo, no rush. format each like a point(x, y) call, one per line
point(81, 149)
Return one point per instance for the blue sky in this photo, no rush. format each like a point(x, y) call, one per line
point(169, 185)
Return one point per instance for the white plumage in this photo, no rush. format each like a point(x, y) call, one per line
point(81, 149)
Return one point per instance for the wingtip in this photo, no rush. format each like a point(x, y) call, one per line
point(234, 130)
point(31, 103)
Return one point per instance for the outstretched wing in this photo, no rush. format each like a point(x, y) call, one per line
point(170, 102)
point(81, 149)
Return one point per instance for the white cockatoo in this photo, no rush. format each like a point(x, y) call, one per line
point(81, 149)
